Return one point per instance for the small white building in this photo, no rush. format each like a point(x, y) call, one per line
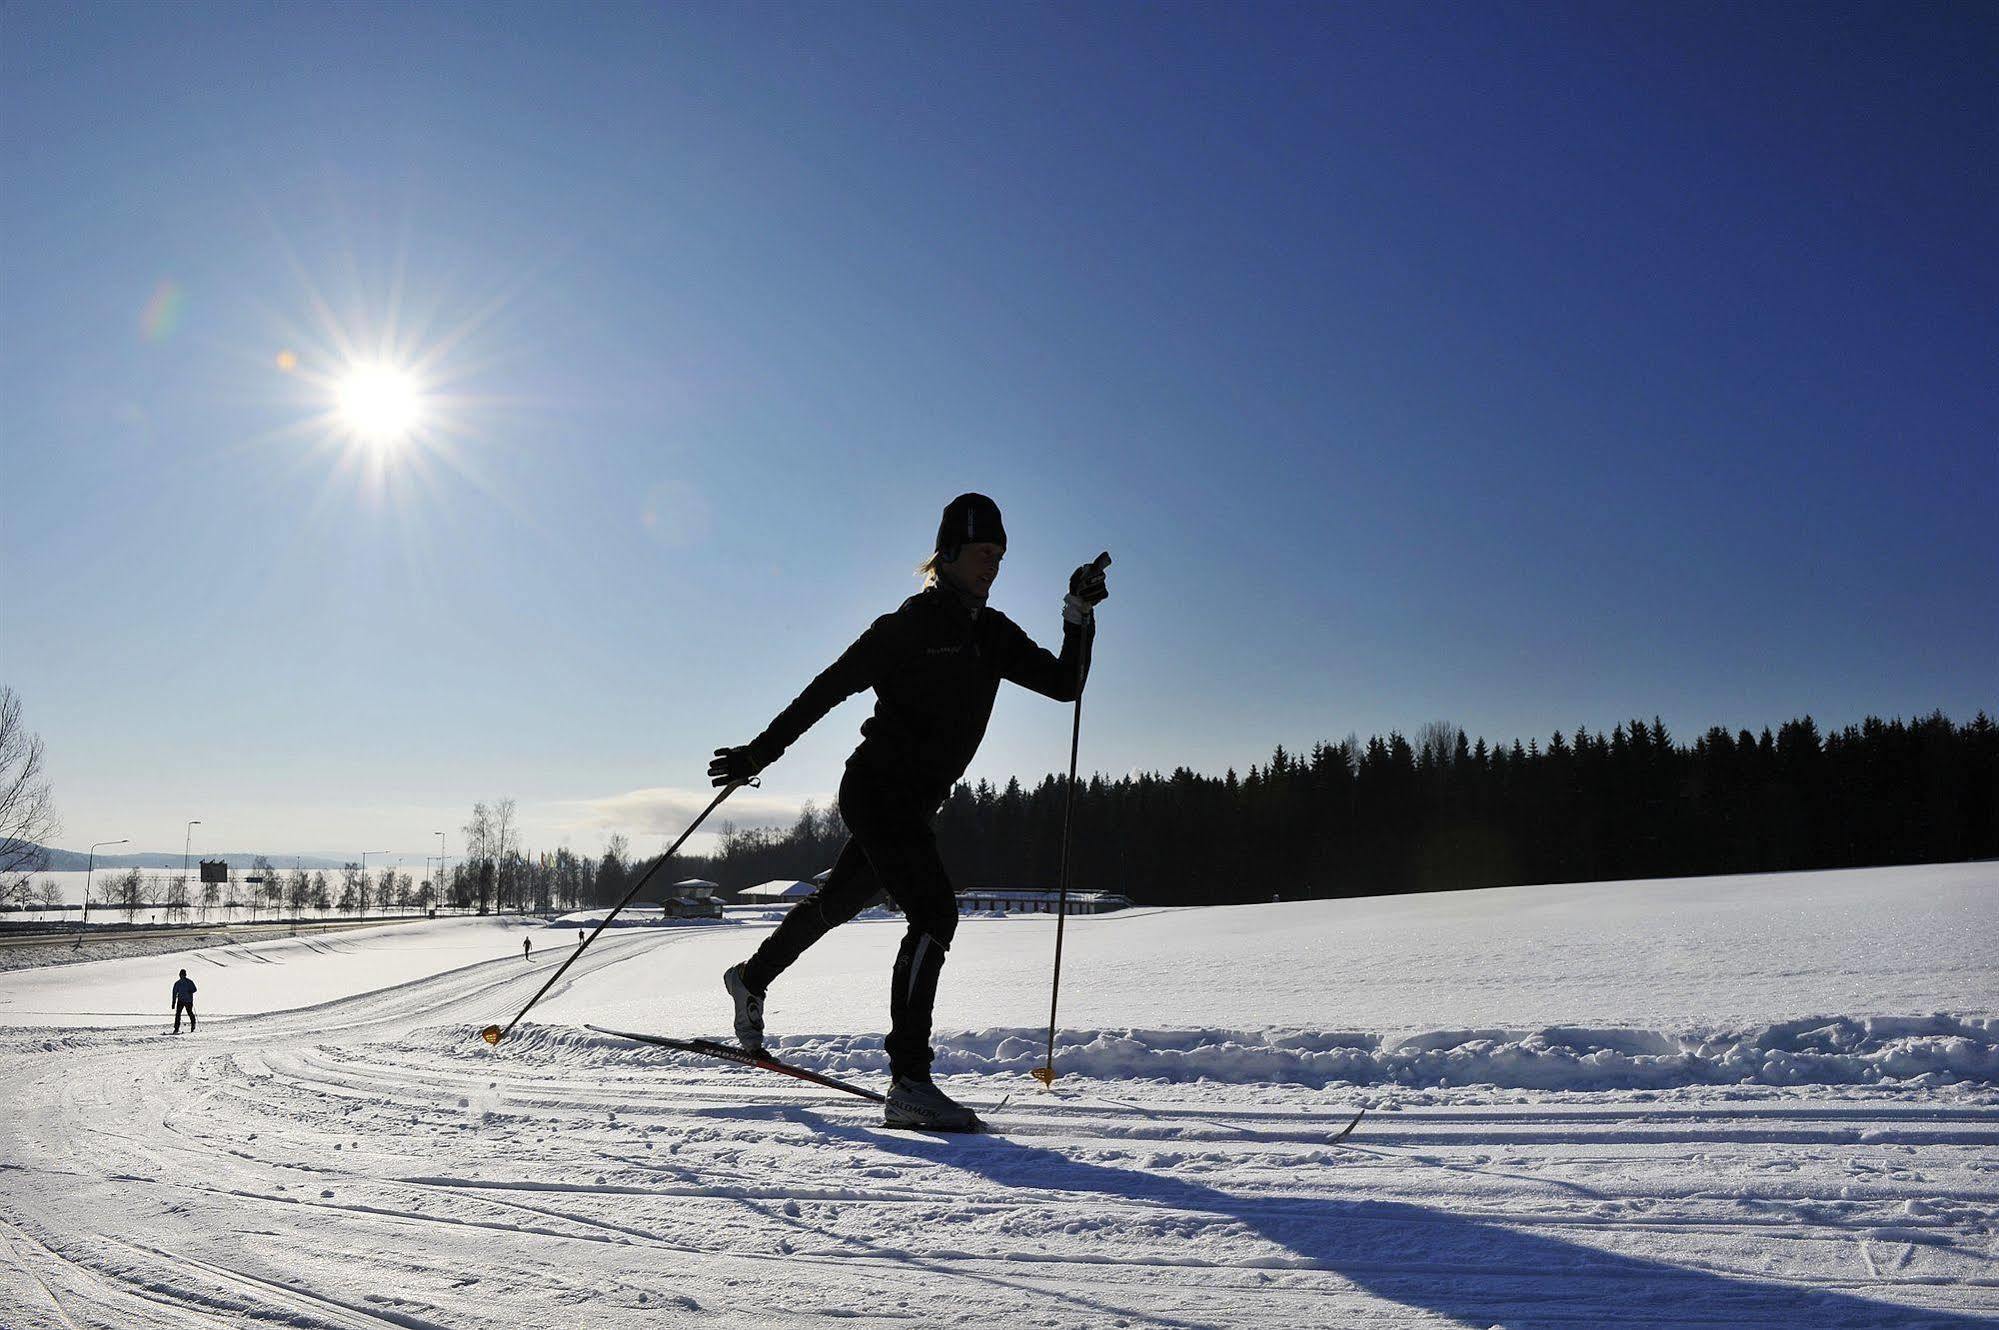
point(1036, 900)
point(780, 891)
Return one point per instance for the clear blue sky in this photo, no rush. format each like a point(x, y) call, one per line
point(1525, 366)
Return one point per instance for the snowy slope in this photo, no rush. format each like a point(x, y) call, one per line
point(257, 976)
point(1757, 1101)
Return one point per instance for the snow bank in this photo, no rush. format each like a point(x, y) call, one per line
point(637, 919)
point(1903, 1052)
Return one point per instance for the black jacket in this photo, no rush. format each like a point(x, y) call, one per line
point(935, 666)
point(183, 992)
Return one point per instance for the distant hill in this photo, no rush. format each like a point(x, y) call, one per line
point(69, 861)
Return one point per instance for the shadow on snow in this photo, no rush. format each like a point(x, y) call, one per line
point(1474, 1271)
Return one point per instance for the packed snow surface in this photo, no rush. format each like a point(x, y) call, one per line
point(1732, 1101)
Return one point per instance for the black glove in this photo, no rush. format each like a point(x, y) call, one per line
point(733, 766)
point(1087, 585)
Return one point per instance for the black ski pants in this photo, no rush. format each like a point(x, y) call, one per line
point(180, 1007)
point(891, 849)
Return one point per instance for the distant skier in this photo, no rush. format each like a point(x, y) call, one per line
point(579, 937)
point(527, 948)
point(935, 665)
point(183, 999)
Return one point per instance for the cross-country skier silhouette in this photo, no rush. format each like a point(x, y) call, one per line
point(935, 665)
point(527, 948)
point(183, 1000)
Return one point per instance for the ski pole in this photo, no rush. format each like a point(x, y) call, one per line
point(493, 1034)
point(1046, 1072)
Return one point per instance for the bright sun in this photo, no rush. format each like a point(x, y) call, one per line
point(379, 403)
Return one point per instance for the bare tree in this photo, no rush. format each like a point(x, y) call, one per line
point(506, 854)
point(50, 894)
point(176, 896)
point(131, 892)
point(211, 892)
point(1436, 744)
point(27, 811)
point(544, 888)
point(268, 888)
point(478, 833)
point(298, 890)
point(505, 834)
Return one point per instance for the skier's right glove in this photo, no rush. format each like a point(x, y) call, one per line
point(733, 766)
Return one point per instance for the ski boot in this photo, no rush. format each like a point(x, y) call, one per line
point(749, 1011)
point(915, 1102)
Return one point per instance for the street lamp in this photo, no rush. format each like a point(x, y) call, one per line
point(186, 841)
point(440, 867)
point(91, 868)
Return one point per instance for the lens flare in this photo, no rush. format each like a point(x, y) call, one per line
point(162, 313)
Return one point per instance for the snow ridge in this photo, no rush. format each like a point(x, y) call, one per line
point(1905, 1052)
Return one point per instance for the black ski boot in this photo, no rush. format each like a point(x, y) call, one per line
point(916, 1103)
point(749, 1011)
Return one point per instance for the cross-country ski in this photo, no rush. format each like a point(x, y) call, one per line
point(708, 1048)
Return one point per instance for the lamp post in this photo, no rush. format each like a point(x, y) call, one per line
point(440, 868)
point(91, 868)
point(186, 841)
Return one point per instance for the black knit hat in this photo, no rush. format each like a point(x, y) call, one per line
point(968, 520)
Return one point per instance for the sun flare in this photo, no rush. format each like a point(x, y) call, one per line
point(379, 403)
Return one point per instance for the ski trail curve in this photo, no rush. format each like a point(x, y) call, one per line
point(369, 1163)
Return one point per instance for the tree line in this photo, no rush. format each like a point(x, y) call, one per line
point(277, 892)
point(1342, 818)
point(1441, 812)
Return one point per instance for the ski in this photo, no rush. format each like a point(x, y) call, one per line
point(729, 1053)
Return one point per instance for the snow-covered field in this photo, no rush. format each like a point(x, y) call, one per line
point(1724, 1102)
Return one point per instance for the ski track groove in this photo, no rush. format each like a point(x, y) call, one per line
point(260, 1104)
point(332, 1311)
point(109, 1285)
point(12, 1237)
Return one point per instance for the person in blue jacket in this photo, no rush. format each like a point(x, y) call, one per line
point(184, 1001)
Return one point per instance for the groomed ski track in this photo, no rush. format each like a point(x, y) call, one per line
point(368, 1162)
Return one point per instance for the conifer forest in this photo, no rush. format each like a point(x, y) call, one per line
point(1444, 811)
